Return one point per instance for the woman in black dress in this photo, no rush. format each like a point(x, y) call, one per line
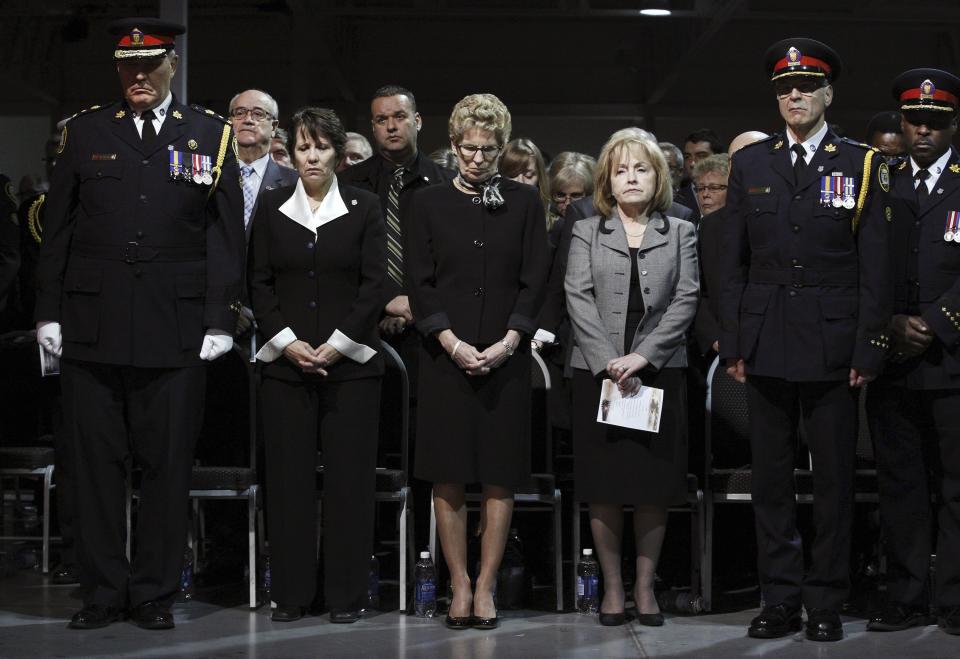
point(317, 266)
point(632, 286)
point(476, 265)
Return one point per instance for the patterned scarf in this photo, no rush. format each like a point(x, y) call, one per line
point(489, 189)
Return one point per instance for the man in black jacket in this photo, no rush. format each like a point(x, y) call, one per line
point(140, 266)
point(913, 406)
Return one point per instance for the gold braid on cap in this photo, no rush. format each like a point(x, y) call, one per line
point(218, 168)
point(867, 162)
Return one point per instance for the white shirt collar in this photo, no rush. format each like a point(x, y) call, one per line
point(811, 144)
point(297, 207)
point(160, 112)
point(935, 169)
point(259, 165)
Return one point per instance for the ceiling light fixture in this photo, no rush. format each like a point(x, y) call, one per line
point(655, 8)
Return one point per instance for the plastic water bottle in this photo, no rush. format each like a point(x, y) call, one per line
point(588, 584)
point(373, 584)
point(425, 597)
point(186, 575)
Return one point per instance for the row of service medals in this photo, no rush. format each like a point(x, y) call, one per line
point(838, 191)
point(190, 167)
point(953, 220)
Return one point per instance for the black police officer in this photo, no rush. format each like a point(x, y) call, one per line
point(804, 311)
point(914, 407)
point(140, 266)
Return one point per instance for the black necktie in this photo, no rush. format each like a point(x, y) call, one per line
point(149, 134)
point(800, 165)
point(922, 191)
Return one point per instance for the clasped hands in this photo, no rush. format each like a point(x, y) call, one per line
point(473, 361)
point(622, 370)
point(310, 359)
point(397, 316)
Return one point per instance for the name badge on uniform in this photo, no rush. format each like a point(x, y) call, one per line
point(951, 232)
point(838, 191)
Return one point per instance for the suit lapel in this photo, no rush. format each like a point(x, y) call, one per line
point(656, 233)
point(820, 164)
point(122, 123)
point(616, 238)
point(172, 128)
point(781, 158)
point(946, 185)
point(903, 186)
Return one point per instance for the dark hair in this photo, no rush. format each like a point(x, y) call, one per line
point(396, 90)
point(317, 122)
point(707, 135)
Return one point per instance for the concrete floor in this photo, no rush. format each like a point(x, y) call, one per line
point(33, 620)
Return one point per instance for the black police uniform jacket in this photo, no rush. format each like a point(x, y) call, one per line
point(315, 283)
point(926, 271)
point(135, 265)
point(806, 291)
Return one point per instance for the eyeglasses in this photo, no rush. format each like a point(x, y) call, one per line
point(710, 187)
point(560, 197)
point(258, 114)
point(470, 150)
point(807, 87)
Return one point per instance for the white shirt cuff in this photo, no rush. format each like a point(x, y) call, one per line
point(274, 347)
point(348, 348)
point(543, 336)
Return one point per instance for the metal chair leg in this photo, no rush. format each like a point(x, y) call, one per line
point(558, 547)
point(403, 551)
point(252, 544)
point(47, 480)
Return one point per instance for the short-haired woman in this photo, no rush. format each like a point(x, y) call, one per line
point(317, 266)
point(631, 286)
point(476, 263)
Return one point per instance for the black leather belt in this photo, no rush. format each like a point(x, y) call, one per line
point(134, 252)
point(799, 276)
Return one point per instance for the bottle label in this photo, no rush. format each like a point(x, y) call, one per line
point(426, 591)
point(591, 586)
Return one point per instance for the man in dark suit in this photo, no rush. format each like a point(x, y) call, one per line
point(804, 310)
point(913, 407)
point(394, 173)
point(254, 115)
point(140, 266)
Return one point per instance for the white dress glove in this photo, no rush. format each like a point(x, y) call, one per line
point(215, 343)
point(48, 336)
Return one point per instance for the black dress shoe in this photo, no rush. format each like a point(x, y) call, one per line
point(344, 616)
point(650, 619)
point(65, 575)
point(458, 622)
point(94, 616)
point(151, 615)
point(824, 625)
point(775, 621)
point(612, 619)
point(949, 620)
point(286, 613)
point(894, 617)
point(485, 623)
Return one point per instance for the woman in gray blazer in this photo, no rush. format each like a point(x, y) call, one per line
point(632, 285)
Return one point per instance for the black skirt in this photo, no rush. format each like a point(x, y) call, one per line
point(625, 466)
point(473, 429)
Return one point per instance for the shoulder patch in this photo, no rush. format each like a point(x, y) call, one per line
point(33, 219)
point(63, 139)
point(208, 113)
point(883, 176)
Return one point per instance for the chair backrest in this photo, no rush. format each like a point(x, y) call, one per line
point(229, 434)
point(397, 372)
point(541, 439)
point(727, 426)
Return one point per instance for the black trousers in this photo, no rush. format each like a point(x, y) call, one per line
point(152, 416)
point(345, 415)
point(916, 437)
point(829, 411)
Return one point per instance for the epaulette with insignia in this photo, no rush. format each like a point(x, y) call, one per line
point(764, 140)
point(208, 113)
point(847, 140)
point(92, 108)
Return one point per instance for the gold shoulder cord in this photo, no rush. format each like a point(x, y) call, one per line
point(867, 162)
point(218, 168)
point(33, 218)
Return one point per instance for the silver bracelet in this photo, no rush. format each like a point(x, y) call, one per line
point(508, 348)
point(455, 348)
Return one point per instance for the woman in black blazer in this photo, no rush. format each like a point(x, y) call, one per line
point(317, 265)
point(476, 265)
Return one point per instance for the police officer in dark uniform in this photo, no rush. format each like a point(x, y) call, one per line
point(138, 279)
point(914, 407)
point(804, 312)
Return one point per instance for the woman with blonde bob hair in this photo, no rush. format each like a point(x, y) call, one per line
point(632, 287)
point(476, 264)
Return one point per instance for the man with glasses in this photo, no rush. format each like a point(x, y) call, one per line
point(913, 407)
point(804, 311)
